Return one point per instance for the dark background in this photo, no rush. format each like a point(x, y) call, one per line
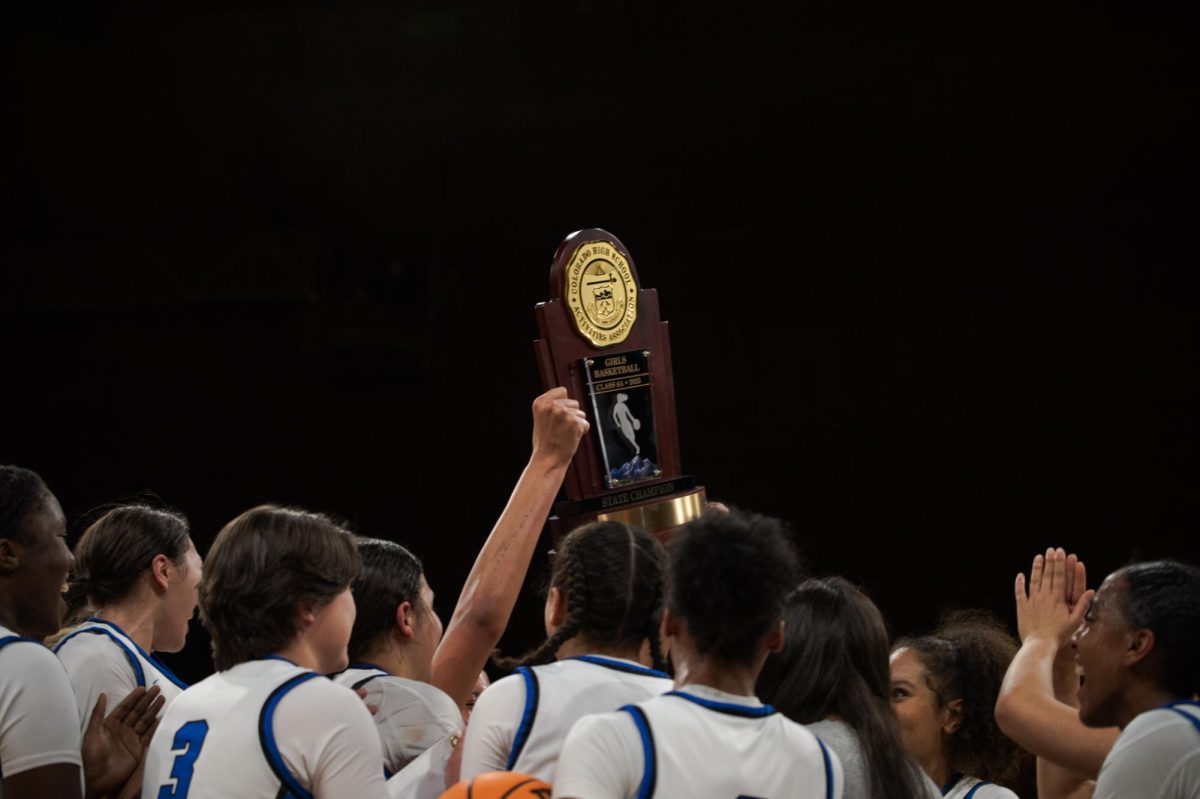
point(929, 270)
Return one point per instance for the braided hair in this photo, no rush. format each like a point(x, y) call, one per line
point(20, 492)
point(613, 576)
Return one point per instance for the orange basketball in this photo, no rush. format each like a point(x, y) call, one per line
point(499, 785)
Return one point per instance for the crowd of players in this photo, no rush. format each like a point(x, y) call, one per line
point(709, 668)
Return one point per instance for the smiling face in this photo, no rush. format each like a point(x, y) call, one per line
point(45, 561)
point(179, 601)
point(923, 719)
point(1100, 646)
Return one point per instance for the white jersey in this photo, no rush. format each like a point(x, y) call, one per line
point(37, 711)
point(412, 715)
point(963, 787)
point(519, 722)
point(100, 658)
point(1157, 756)
point(265, 729)
point(696, 742)
point(424, 777)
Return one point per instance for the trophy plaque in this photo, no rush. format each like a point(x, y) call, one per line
point(602, 338)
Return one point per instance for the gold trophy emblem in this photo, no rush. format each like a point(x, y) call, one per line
point(601, 293)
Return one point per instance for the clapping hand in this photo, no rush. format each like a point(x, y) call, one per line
point(1053, 604)
point(113, 745)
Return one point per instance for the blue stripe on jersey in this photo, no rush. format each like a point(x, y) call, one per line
point(828, 769)
point(650, 770)
point(978, 785)
point(180, 684)
point(949, 786)
point(266, 735)
point(725, 707)
point(1174, 708)
point(139, 675)
point(367, 666)
point(12, 639)
point(163, 669)
point(531, 706)
point(617, 665)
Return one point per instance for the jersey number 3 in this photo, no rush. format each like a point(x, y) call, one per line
point(187, 743)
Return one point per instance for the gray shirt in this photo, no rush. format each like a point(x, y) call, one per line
point(838, 736)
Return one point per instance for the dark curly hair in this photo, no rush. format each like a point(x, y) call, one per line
point(20, 492)
point(117, 548)
point(835, 663)
point(730, 574)
point(261, 566)
point(613, 576)
point(966, 658)
point(1164, 596)
point(390, 576)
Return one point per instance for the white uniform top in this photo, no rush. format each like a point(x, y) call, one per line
point(265, 729)
point(412, 715)
point(696, 742)
point(519, 722)
point(964, 787)
point(37, 711)
point(424, 777)
point(1157, 756)
point(100, 658)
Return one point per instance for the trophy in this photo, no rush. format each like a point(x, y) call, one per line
point(602, 338)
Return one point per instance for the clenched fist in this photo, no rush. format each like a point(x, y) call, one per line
point(558, 425)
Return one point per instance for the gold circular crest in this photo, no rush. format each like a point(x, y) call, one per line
point(601, 293)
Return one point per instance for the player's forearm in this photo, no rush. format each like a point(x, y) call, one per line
point(492, 586)
point(1056, 782)
point(494, 582)
point(1028, 684)
point(1028, 712)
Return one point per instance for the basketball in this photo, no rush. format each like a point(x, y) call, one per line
point(499, 785)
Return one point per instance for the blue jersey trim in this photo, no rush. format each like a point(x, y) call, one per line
point(727, 708)
point(139, 675)
point(618, 665)
point(1174, 708)
point(949, 786)
point(12, 639)
point(266, 734)
point(280, 658)
point(978, 785)
point(367, 679)
point(650, 769)
point(158, 664)
point(362, 664)
point(828, 769)
point(527, 717)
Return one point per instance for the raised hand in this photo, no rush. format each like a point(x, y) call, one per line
point(113, 745)
point(558, 426)
point(1053, 603)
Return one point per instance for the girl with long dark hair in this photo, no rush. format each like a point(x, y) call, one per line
point(832, 676)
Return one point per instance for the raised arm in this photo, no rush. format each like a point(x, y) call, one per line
point(1036, 703)
point(491, 588)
